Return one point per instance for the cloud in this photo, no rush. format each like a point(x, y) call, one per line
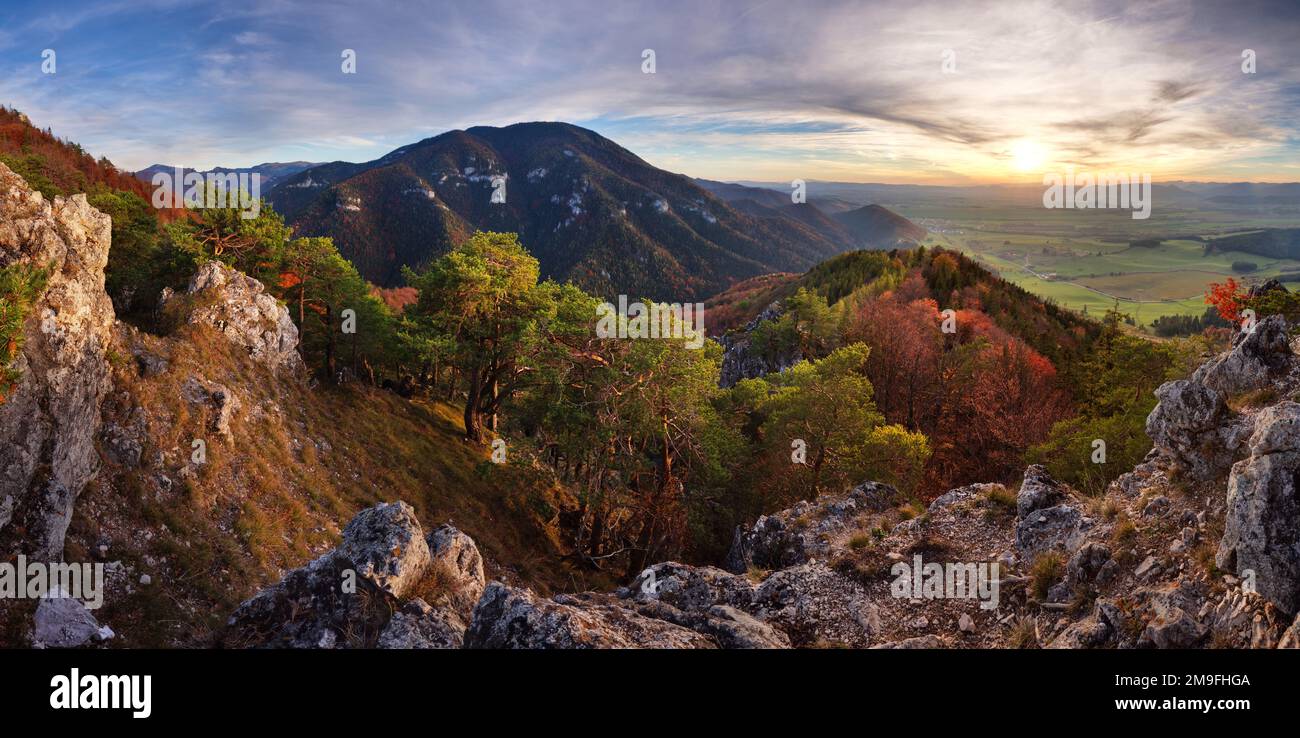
point(853, 90)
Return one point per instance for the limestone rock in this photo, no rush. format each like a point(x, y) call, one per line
point(64, 622)
point(457, 567)
point(1256, 359)
point(51, 417)
point(1039, 490)
point(507, 617)
point(815, 605)
point(387, 547)
point(345, 597)
point(237, 305)
point(1193, 426)
point(419, 625)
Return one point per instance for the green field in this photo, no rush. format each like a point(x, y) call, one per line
point(1082, 259)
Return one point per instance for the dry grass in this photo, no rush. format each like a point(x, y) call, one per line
point(1047, 570)
point(1024, 634)
point(301, 462)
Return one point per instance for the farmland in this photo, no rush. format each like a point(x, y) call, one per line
point(1086, 260)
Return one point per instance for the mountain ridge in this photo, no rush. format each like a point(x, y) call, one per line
point(589, 209)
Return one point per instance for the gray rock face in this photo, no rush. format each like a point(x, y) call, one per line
point(815, 605)
point(346, 598)
point(1255, 361)
point(692, 588)
point(419, 625)
point(220, 402)
point(1092, 563)
point(1045, 519)
point(507, 617)
point(1091, 632)
point(1170, 615)
point(741, 361)
point(1039, 490)
point(1261, 538)
point(387, 547)
point(238, 306)
point(1059, 528)
point(458, 570)
point(49, 421)
point(1192, 425)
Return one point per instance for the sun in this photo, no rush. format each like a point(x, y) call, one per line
point(1028, 155)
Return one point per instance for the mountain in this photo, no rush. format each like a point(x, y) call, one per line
point(875, 226)
point(588, 209)
point(271, 172)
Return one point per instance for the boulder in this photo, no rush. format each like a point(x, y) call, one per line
point(692, 588)
point(1091, 632)
point(64, 622)
point(1091, 564)
point(50, 418)
point(387, 547)
point(1168, 611)
point(815, 606)
point(1059, 528)
point(344, 598)
point(419, 625)
point(457, 569)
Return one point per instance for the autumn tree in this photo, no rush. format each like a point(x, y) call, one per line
point(485, 298)
point(321, 285)
point(825, 409)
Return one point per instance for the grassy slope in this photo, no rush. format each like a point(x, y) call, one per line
point(300, 463)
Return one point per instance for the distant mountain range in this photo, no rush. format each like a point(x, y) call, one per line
point(588, 209)
point(271, 172)
point(850, 226)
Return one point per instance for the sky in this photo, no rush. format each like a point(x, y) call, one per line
point(906, 92)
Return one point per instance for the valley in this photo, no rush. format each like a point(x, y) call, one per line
point(1086, 260)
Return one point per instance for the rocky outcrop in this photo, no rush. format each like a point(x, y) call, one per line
point(1130, 570)
point(1193, 427)
point(1046, 518)
point(1258, 358)
point(1038, 490)
point(1261, 538)
point(348, 597)
point(237, 305)
point(49, 422)
point(457, 567)
point(741, 360)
